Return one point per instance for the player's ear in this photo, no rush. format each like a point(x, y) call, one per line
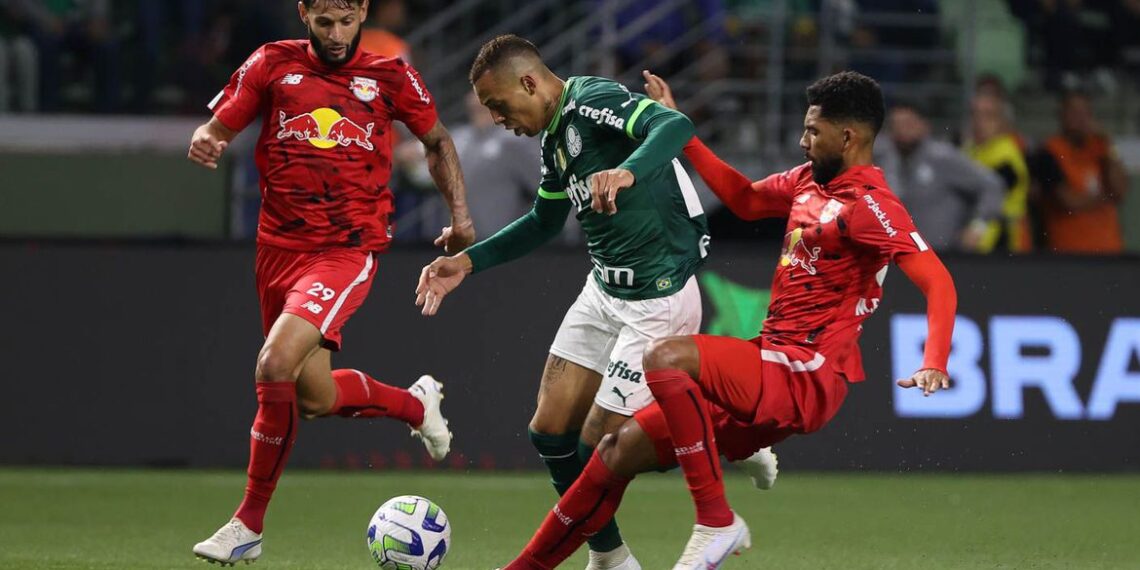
point(529, 84)
point(301, 12)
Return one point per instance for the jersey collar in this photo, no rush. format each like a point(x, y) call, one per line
point(553, 126)
point(859, 175)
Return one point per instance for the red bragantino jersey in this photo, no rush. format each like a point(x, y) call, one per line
point(325, 151)
point(839, 241)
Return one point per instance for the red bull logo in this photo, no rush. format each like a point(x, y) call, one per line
point(364, 88)
point(324, 128)
point(796, 252)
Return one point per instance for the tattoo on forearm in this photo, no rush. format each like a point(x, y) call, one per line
point(443, 163)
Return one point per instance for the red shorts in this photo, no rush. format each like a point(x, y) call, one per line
point(322, 287)
point(758, 394)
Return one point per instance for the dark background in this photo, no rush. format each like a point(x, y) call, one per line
point(143, 355)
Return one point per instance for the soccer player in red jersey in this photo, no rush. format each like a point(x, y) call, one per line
point(324, 156)
point(725, 396)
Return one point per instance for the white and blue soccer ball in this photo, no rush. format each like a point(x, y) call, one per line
point(409, 533)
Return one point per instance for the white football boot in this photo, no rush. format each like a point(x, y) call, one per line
point(434, 432)
point(708, 547)
point(232, 543)
point(762, 467)
point(619, 558)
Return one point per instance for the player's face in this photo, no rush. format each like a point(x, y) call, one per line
point(514, 103)
point(822, 144)
point(334, 28)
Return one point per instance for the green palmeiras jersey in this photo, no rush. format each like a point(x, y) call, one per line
point(659, 236)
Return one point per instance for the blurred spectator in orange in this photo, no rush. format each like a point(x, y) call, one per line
point(952, 198)
point(385, 19)
point(1082, 181)
point(993, 145)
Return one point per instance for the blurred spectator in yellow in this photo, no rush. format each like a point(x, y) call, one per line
point(990, 84)
point(1081, 181)
point(952, 198)
point(385, 19)
point(993, 145)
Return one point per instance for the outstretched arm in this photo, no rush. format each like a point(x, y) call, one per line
point(748, 200)
point(926, 271)
point(443, 163)
point(522, 236)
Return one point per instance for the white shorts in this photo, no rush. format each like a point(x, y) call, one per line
point(609, 335)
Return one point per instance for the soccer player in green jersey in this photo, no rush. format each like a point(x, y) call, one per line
point(609, 156)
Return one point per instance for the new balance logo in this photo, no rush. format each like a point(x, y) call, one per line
point(313, 307)
point(292, 79)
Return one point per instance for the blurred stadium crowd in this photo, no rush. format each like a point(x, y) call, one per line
point(996, 148)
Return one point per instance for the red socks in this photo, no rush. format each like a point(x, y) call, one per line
point(583, 510)
point(271, 439)
point(686, 412)
point(358, 395)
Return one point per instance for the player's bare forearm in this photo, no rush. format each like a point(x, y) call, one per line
point(208, 142)
point(443, 163)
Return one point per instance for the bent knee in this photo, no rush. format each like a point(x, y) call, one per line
point(553, 425)
point(275, 365)
point(677, 352)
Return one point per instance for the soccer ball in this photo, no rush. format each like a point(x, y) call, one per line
point(409, 533)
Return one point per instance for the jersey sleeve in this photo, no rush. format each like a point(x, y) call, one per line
point(879, 221)
point(414, 104)
point(612, 107)
point(240, 102)
point(549, 188)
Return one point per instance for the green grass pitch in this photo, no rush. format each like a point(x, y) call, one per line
point(123, 519)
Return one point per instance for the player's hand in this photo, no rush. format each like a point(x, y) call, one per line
point(604, 187)
point(205, 148)
point(658, 90)
point(438, 279)
point(457, 237)
point(929, 379)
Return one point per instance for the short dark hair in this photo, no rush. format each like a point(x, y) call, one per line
point(498, 50)
point(849, 96)
point(336, 3)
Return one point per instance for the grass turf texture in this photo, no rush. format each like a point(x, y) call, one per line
point(124, 519)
